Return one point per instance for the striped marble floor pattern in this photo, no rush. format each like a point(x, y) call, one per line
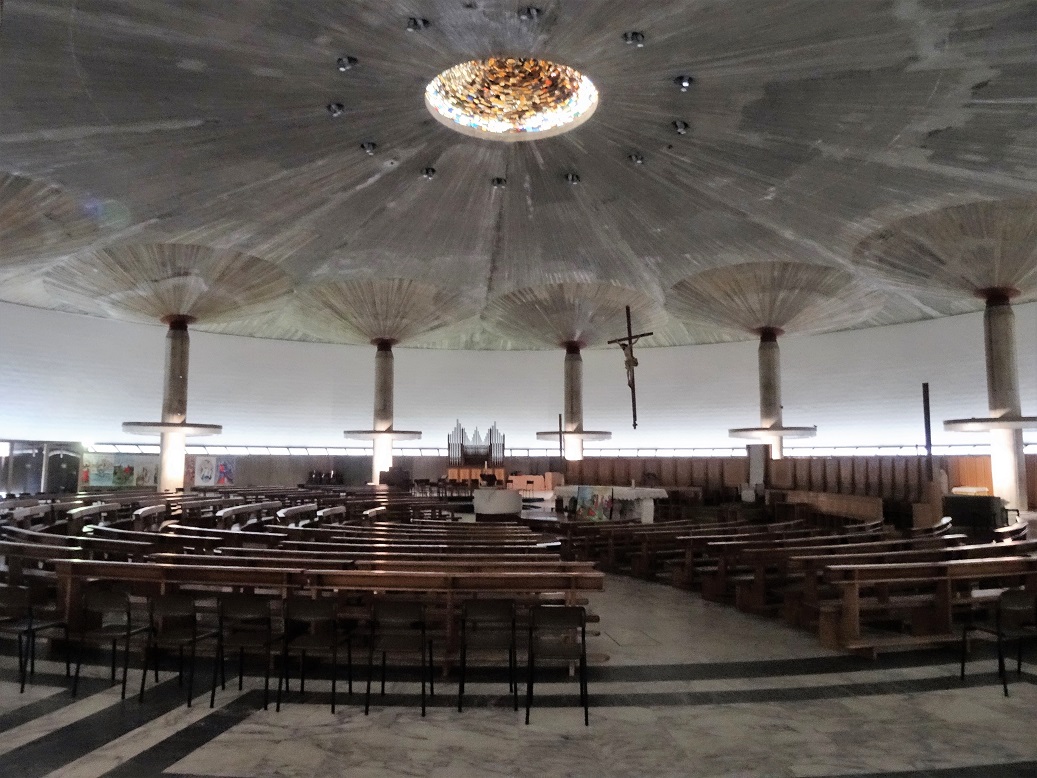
point(690, 689)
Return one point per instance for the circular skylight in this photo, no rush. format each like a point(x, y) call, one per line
point(510, 99)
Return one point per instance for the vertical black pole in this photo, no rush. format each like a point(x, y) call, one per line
point(561, 437)
point(928, 432)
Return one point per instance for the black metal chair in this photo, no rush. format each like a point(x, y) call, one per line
point(312, 627)
point(173, 623)
point(245, 624)
point(488, 627)
point(106, 618)
point(1015, 618)
point(20, 617)
point(558, 633)
point(399, 628)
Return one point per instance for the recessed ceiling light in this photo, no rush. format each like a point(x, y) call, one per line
point(429, 172)
point(346, 63)
point(498, 183)
point(681, 126)
point(636, 157)
point(572, 178)
point(529, 13)
point(415, 23)
point(335, 109)
point(634, 38)
point(369, 146)
point(684, 82)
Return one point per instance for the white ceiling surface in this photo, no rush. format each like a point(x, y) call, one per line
point(811, 125)
point(73, 377)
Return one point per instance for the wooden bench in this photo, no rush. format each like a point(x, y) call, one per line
point(243, 514)
point(158, 541)
point(923, 594)
point(802, 604)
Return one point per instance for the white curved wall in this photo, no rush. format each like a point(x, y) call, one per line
point(67, 377)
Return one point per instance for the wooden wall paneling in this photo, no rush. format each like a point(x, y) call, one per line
point(715, 473)
point(873, 477)
point(699, 474)
point(1031, 480)
point(833, 472)
point(845, 478)
point(901, 489)
point(782, 474)
point(736, 471)
point(683, 472)
point(637, 468)
point(886, 477)
point(801, 469)
point(666, 467)
point(860, 475)
point(913, 481)
point(818, 475)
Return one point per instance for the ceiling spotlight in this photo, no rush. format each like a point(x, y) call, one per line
point(572, 178)
point(684, 82)
point(346, 63)
point(634, 38)
point(529, 13)
point(681, 126)
point(498, 183)
point(636, 157)
point(429, 172)
point(336, 109)
point(414, 24)
point(369, 146)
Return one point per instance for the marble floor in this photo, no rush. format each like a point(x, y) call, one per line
point(689, 689)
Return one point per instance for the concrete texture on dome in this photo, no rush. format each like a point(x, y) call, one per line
point(782, 296)
point(369, 310)
point(961, 250)
point(804, 131)
point(159, 282)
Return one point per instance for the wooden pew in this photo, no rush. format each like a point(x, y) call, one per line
point(924, 594)
point(229, 537)
point(801, 605)
point(387, 554)
point(243, 514)
point(158, 541)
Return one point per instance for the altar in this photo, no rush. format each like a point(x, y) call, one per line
point(616, 503)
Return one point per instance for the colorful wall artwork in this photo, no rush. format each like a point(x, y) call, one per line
point(118, 471)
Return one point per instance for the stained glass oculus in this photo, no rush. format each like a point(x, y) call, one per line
point(511, 99)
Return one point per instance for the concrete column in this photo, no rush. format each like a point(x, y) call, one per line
point(1007, 463)
point(172, 445)
point(770, 385)
point(383, 407)
point(572, 410)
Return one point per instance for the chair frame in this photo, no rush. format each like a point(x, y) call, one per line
point(165, 606)
point(420, 624)
point(219, 661)
point(25, 627)
point(1002, 635)
point(100, 635)
point(489, 618)
point(332, 617)
point(557, 618)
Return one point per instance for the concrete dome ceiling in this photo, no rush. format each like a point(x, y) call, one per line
point(803, 132)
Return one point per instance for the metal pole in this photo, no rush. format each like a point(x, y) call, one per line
point(928, 432)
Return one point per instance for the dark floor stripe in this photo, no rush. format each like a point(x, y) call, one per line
point(1008, 770)
point(79, 738)
point(153, 761)
point(63, 698)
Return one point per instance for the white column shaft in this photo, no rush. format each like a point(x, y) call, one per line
point(383, 410)
point(572, 416)
point(769, 357)
point(172, 446)
point(1007, 462)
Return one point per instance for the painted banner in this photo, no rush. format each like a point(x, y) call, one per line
point(205, 471)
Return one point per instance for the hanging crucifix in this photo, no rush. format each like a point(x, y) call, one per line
point(629, 361)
